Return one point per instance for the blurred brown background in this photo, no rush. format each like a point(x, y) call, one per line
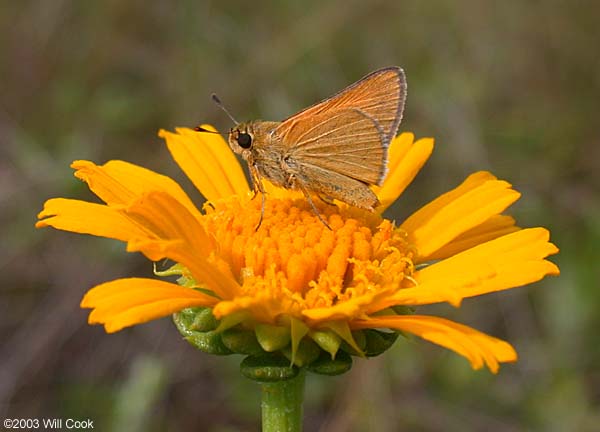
point(513, 87)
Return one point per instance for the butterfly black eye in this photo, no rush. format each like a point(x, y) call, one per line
point(244, 140)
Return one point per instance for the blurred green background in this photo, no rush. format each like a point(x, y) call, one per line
point(512, 87)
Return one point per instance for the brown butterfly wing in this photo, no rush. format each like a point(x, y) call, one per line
point(343, 140)
point(350, 132)
point(381, 95)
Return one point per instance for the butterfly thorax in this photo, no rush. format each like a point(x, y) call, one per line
point(261, 149)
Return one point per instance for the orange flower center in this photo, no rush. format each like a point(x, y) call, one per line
point(294, 260)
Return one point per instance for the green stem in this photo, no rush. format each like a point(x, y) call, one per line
point(282, 405)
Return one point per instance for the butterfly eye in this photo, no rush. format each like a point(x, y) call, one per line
point(244, 140)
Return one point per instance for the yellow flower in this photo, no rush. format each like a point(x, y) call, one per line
point(294, 274)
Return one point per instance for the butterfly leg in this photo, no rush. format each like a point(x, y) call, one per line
point(326, 199)
point(258, 187)
point(301, 186)
point(262, 211)
point(256, 184)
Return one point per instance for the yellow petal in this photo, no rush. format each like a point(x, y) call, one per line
point(399, 146)
point(126, 302)
point(509, 261)
point(179, 236)
point(448, 289)
point(263, 308)
point(405, 160)
point(477, 347)
point(237, 305)
point(207, 161)
point(89, 218)
point(156, 224)
point(119, 183)
point(427, 211)
point(343, 310)
point(494, 227)
point(452, 214)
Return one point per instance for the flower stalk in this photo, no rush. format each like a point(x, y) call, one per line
point(281, 404)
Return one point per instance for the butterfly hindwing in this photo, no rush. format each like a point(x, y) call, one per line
point(346, 141)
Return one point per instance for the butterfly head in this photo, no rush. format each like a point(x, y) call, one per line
point(241, 138)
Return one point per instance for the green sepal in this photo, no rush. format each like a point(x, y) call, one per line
point(174, 270)
point(384, 312)
point(297, 330)
point(361, 341)
point(327, 366)
point(197, 326)
point(241, 341)
point(209, 342)
point(328, 340)
point(306, 352)
point(378, 341)
point(199, 319)
point(268, 368)
point(232, 320)
point(184, 278)
point(342, 329)
point(187, 282)
point(204, 321)
point(272, 338)
point(403, 310)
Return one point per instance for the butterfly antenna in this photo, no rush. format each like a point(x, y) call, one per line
point(201, 129)
point(216, 100)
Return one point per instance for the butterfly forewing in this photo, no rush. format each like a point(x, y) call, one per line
point(380, 95)
point(350, 132)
